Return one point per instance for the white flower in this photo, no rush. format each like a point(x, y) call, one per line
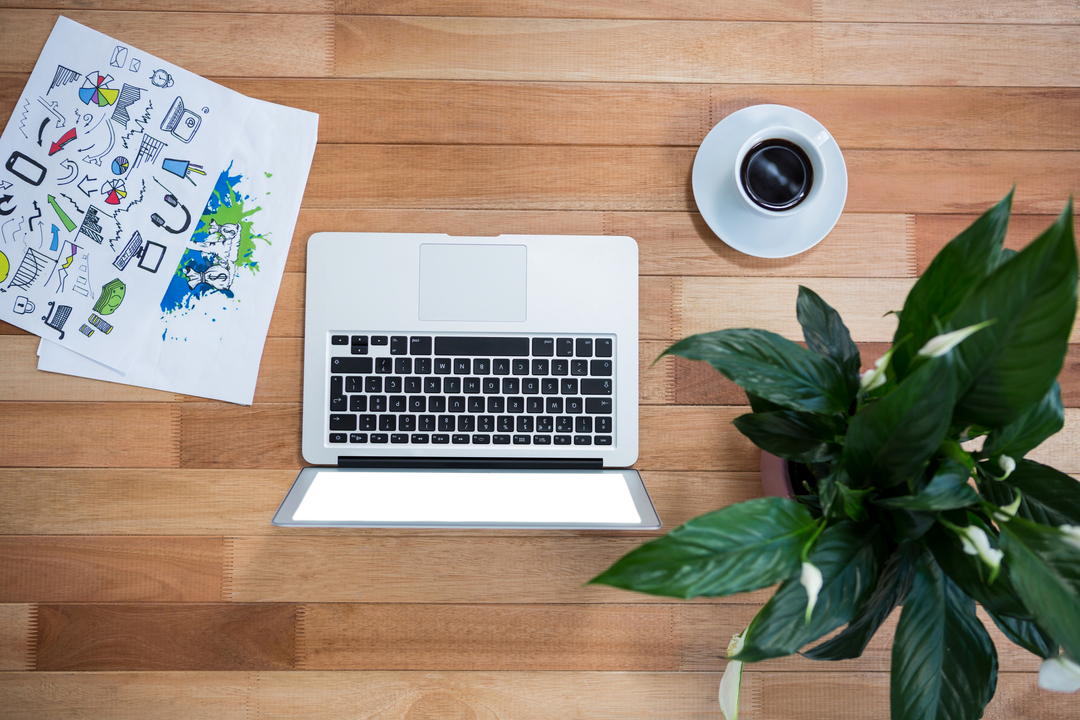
point(941, 344)
point(1007, 513)
point(1007, 464)
point(811, 580)
point(976, 542)
point(730, 683)
point(1072, 534)
point(1059, 674)
point(875, 378)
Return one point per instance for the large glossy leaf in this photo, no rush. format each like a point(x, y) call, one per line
point(849, 558)
point(944, 665)
point(1048, 496)
point(826, 334)
point(955, 270)
point(736, 549)
point(973, 577)
point(1026, 634)
point(799, 436)
point(892, 586)
point(892, 439)
point(1009, 366)
point(1028, 431)
point(771, 367)
point(1046, 571)
point(947, 490)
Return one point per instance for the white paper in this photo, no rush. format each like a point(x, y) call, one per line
point(211, 322)
point(100, 187)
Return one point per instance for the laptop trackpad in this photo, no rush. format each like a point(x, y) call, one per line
point(472, 283)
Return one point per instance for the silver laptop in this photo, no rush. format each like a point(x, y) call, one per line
point(470, 382)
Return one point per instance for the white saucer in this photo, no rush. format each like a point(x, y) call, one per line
point(725, 211)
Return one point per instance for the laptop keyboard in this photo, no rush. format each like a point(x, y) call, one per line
point(466, 390)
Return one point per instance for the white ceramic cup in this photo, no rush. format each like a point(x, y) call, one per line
point(812, 148)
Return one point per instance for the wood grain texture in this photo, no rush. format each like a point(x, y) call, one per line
point(64, 434)
point(1049, 12)
point(205, 6)
point(187, 636)
point(225, 436)
point(110, 569)
point(16, 633)
point(641, 9)
point(288, 45)
point(241, 502)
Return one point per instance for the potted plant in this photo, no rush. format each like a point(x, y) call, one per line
point(911, 487)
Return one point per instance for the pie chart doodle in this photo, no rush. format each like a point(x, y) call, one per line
point(95, 90)
point(119, 165)
point(114, 191)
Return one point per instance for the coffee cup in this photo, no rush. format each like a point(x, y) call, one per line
point(780, 171)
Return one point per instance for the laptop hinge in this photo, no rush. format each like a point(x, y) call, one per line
point(472, 463)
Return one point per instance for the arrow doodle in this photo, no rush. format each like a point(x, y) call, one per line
point(55, 239)
point(52, 107)
point(41, 130)
point(34, 217)
point(73, 173)
point(5, 199)
point(61, 214)
point(87, 178)
point(64, 140)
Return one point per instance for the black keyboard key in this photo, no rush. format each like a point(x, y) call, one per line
point(485, 424)
point(379, 339)
point(500, 439)
point(470, 385)
point(505, 423)
point(541, 439)
point(481, 366)
point(455, 403)
point(466, 423)
point(564, 424)
point(598, 405)
point(600, 368)
point(603, 424)
point(436, 404)
point(419, 346)
point(540, 367)
point(584, 347)
point(598, 386)
point(397, 404)
point(515, 404)
point(377, 403)
point(563, 440)
point(392, 385)
point(549, 386)
point(603, 347)
point(384, 365)
point(451, 385)
point(440, 439)
point(554, 405)
point(350, 365)
point(343, 422)
point(520, 366)
point(422, 366)
point(500, 366)
point(399, 345)
point(579, 367)
point(545, 424)
point(402, 365)
point(543, 347)
point(530, 386)
point(414, 385)
point(481, 439)
point(337, 392)
point(496, 405)
point(407, 423)
point(359, 345)
point(534, 405)
point(522, 440)
point(476, 405)
point(583, 424)
point(443, 366)
point(583, 439)
point(388, 422)
point(483, 346)
point(462, 366)
point(358, 403)
point(426, 423)
point(602, 439)
point(574, 405)
point(338, 437)
point(568, 386)
point(490, 386)
point(399, 438)
point(459, 439)
point(373, 384)
point(432, 385)
point(560, 367)
point(379, 437)
point(418, 439)
point(368, 422)
point(339, 403)
point(446, 423)
point(564, 347)
point(358, 437)
point(353, 383)
point(509, 386)
point(339, 339)
point(525, 424)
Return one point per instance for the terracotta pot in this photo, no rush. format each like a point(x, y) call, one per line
point(775, 477)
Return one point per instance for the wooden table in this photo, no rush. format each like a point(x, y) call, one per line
point(139, 573)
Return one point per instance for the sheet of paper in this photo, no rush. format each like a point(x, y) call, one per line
point(213, 317)
point(106, 162)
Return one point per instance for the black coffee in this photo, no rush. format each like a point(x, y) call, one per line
point(776, 174)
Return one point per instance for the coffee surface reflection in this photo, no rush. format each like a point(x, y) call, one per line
point(776, 174)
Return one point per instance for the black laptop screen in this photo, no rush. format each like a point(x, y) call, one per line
point(461, 496)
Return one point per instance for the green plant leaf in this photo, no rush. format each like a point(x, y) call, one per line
point(1048, 496)
point(771, 367)
point(892, 439)
point(944, 665)
point(954, 271)
point(1026, 634)
point(1046, 571)
point(1019, 438)
point(799, 436)
point(892, 586)
point(848, 556)
point(972, 576)
point(1009, 366)
point(826, 334)
point(736, 549)
point(761, 405)
point(947, 490)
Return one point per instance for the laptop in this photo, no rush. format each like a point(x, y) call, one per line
point(470, 382)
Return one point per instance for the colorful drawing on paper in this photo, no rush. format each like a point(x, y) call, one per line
point(226, 243)
point(95, 90)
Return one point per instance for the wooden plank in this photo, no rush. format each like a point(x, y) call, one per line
point(205, 6)
point(545, 113)
point(90, 434)
point(933, 232)
point(947, 54)
point(571, 50)
point(229, 436)
point(16, 629)
point(110, 569)
point(188, 636)
point(770, 10)
point(263, 44)
point(669, 243)
point(281, 373)
point(1049, 12)
point(481, 177)
point(242, 502)
point(288, 318)
point(694, 438)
